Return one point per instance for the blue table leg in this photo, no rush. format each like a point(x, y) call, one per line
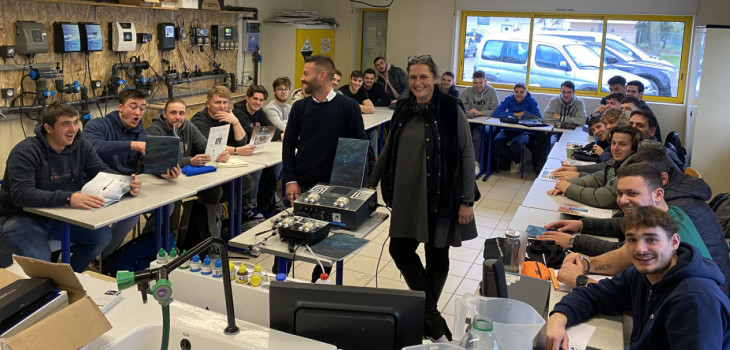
point(488, 135)
point(66, 243)
point(482, 168)
point(340, 272)
point(166, 227)
point(239, 207)
point(231, 209)
point(158, 229)
point(282, 262)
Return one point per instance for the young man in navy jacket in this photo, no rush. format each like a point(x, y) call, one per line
point(673, 292)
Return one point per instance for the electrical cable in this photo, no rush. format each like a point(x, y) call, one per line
point(365, 3)
point(315, 257)
point(377, 266)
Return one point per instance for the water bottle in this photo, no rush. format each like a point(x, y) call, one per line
point(511, 251)
point(480, 336)
point(323, 279)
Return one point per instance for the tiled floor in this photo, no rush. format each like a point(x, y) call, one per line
point(502, 194)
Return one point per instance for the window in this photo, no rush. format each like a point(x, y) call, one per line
point(585, 49)
point(374, 35)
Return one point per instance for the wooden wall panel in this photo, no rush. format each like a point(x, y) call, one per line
point(74, 64)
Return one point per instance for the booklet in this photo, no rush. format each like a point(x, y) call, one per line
point(261, 136)
point(217, 139)
point(111, 187)
point(161, 153)
point(547, 175)
point(576, 163)
point(585, 211)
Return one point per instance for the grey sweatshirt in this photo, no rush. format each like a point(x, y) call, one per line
point(574, 112)
point(485, 102)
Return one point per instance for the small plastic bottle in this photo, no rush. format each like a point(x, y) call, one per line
point(480, 336)
point(195, 264)
point(323, 279)
point(232, 270)
point(162, 257)
point(186, 264)
point(206, 268)
point(256, 276)
point(173, 255)
point(218, 268)
point(242, 275)
point(281, 277)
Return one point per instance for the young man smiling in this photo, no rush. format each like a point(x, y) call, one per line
point(355, 91)
point(671, 290)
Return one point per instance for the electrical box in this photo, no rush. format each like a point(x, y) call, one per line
point(122, 36)
point(66, 37)
point(252, 35)
point(91, 39)
point(166, 36)
point(30, 38)
point(224, 37)
point(201, 36)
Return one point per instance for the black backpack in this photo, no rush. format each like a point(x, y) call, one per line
point(721, 206)
point(675, 144)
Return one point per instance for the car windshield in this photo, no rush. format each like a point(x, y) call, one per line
point(583, 57)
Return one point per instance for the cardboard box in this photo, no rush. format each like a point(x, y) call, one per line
point(188, 4)
point(71, 328)
point(210, 5)
point(165, 4)
point(149, 3)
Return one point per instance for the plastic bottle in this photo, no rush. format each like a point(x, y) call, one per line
point(256, 276)
point(173, 255)
point(242, 275)
point(195, 264)
point(323, 279)
point(218, 268)
point(162, 257)
point(186, 264)
point(206, 269)
point(281, 277)
point(480, 336)
point(232, 270)
point(511, 251)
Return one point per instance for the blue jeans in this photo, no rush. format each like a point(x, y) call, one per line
point(518, 138)
point(28, 236)
point(119, 231)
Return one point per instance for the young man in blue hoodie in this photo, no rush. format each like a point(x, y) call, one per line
point(520, 104)
point(673, 292)
point(119, 140)
point(48, 170)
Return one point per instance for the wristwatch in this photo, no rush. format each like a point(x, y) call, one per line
point(570, 243)
point(581, 281)
point(468, 204)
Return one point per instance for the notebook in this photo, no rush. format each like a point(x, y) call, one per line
point(161, 153)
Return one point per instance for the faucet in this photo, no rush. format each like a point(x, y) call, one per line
point(162, 289)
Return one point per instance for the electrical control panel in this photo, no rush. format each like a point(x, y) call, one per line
point(166, 36)
point(30, 38)
point(122, 36)
point(252, 35)
point(224, 37)
point(91, 39)
point(200, 36)
point(343, 206)
point(66, 37)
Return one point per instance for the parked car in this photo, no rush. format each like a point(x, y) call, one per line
point(664, 78)
point(613, 41)
point(470, 48)
point(504, 60)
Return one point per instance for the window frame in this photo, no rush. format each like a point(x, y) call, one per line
point(684, 57)
point(362, 23)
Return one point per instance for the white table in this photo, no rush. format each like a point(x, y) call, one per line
point(149, 198)
point(271, 155)
point(272, 244)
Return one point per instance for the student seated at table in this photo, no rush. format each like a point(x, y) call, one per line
point(355, 91)
point(601, 147)
point(192, 148)
point(599, 188)
point(520, 104)
point(376, 93)
point(216, 113)
point(687, 193)
point(278, 110)
point(616, 84)
point(119, 140)
point(566, 107)
point(672, 291)
point(48, 171)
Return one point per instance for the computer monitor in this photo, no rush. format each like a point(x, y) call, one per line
point(348, 317)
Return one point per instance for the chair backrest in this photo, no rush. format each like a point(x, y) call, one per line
point(673, 139)
point(691, 172)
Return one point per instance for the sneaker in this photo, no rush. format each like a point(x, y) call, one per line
point(514, 168)
point(254, 214)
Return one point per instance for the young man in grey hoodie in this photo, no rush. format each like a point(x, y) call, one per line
point(480, 100)
point(566, 107)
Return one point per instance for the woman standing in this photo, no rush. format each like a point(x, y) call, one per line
point(427, 175)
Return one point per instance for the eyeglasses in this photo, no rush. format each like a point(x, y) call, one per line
point(282, 89)
point(420, 59)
